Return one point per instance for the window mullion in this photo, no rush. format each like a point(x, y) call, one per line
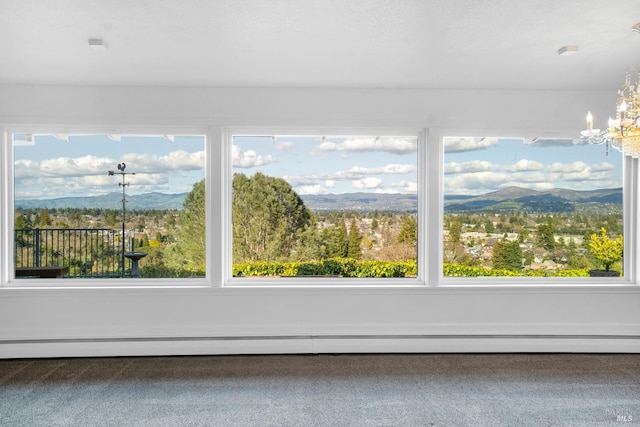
point(433, 207)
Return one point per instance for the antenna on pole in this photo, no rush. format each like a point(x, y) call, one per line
point(123, 184)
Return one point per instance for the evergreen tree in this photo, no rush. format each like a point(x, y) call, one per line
point(545, 236)
point(489, 227)
point(408, 231)
point(189, 251)
point(507, 255)
point(22, 222)
point(267, 218)
point(333, 242)
point(354, 240)
point(343, 242)
point(455, 230)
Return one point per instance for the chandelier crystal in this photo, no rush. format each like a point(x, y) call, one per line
point(623, 132)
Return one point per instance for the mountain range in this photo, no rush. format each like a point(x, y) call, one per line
point(158, 201)
point(524, 199)
point(506, 199)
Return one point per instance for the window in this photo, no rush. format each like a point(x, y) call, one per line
point(109, 206)
point(518, 207)
point(324, 205)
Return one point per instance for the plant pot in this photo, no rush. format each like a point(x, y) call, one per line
point(604, 273)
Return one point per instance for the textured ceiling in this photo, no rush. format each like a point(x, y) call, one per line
point(467, 44)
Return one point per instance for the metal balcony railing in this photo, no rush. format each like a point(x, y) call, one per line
point(88, 252)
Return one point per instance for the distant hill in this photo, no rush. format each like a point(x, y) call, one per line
point(524, 199)
point(507, 199)
point(362, 202)
point(108, 201)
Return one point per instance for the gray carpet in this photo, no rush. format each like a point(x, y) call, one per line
point(324, 390)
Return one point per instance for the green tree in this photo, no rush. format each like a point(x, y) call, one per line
point(22, 221)
point(408, 231)
point(545, 236)
point(334, 240)
point(489, 227)
point(310, 245)
point(455, 230)
point(354, 240)
point(189, 250)
point(45, 219)
point(267, 218)
point(507, 255)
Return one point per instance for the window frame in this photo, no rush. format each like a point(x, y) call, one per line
point(630, 218)
point(7, 159)
point(218, 175)
point(248, 282)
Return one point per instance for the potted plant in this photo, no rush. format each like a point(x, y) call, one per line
point(607, 251)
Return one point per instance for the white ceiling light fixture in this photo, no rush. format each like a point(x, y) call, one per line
point(636, 27)
point(568, 50)
point(98, 44)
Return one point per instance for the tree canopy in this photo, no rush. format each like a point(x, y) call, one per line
point(189, 251)
point(268, 218)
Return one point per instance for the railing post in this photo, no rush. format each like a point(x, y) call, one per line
point(37, 243)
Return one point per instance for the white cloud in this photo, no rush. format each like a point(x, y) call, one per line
point(356, 173)
point(604, 166)
point(90, 165)
point(406, 186)
point(298, 180)
point(578, 166)
point(286, 146)
point(386, 169)
point(179, 160)
point(392, 145)
point(468, 167)
point(310, 189)
point(475, 183)
point(249, 158)
point(367, 183)
point(525, 165)
point(459, 145)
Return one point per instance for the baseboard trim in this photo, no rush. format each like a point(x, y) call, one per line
point(315, 344)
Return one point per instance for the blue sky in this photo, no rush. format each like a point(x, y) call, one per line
point(331, 164)
point(471, 165)
point(52, 168)
point(480, 165)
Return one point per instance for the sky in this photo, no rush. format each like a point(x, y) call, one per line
point(52, 168)
point(472, 166)
point(479, 165)
point(331, 164)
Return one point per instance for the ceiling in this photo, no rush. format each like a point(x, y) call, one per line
point(448, 44)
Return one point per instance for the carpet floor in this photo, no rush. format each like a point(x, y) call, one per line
point(324, 390)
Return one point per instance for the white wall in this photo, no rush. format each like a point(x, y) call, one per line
point(61, 322)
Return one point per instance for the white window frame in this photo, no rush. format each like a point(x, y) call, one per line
point(229, 281)
point(7, 205)
point(630, 219)
point(218, 175)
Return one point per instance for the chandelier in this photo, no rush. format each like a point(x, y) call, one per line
point(623, 132)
